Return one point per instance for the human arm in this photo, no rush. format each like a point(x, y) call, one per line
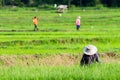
point(97, 58)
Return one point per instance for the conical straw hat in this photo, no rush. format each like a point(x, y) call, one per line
point(90, 50)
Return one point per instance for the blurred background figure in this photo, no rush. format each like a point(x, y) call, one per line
point(35, 22)
point(55, 5)
point(90, 55)
point(78, 22)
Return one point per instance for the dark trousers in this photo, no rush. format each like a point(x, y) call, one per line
point(77, 27)
point(35, 28)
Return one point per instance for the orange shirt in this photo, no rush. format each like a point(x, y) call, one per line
point(35, 21)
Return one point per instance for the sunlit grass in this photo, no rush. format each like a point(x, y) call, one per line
point(58, 35)
point(92, 72)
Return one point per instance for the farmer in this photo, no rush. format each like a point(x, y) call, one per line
point(78, 22)
point(90, 55)
point(35, 22)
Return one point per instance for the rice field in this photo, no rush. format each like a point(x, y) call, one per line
point(57, 35)
point(93, 72)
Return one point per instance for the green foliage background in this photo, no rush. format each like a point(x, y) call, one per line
point(81, 3)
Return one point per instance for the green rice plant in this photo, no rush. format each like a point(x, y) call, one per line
point(91, 72)
point(57, 34)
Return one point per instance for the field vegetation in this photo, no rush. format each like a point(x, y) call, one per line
point(57, 34)
point(22, 49)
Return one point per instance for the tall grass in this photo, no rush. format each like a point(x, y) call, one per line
point(92, 72)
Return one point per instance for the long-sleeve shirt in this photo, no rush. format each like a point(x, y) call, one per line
point(88, 59)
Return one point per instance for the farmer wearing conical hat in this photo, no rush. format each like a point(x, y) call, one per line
point(90, 55)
